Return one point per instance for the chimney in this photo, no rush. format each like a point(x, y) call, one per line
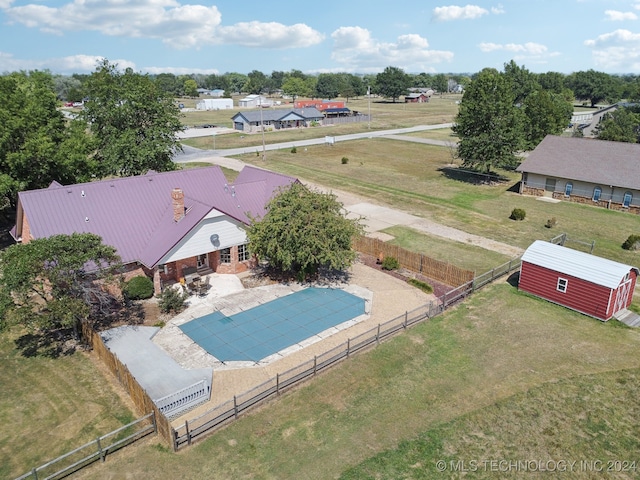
point(177, 198)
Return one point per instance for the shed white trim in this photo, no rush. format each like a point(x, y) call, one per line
point(597, 270)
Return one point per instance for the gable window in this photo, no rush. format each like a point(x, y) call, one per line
point(597, 193)
point(562, 285)
point(626, 201)
point(243, 252)
point(568, 188)
point(225, 255)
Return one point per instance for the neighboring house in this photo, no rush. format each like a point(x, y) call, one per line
point(418, 97)
point(253, 101)
point(215, 104)
point(217, 92)
point(255, 121)
point(321, 105)
point(580, 281)
point(594, 172)
point(160, 223)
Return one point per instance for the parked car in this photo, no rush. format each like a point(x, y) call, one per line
point(68, 104)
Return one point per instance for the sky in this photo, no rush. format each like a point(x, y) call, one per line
point(319, 36)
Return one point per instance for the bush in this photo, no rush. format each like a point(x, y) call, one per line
point(294, 150)
point(551, 222)
point(424, 286)
point(390, 263)
point(632, 243)
point(138, 288)
point(517, 214)
point(345, 160)
point(172, 300)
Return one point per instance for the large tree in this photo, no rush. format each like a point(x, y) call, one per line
point(621, 125)
point(303, 231)
point(594, 86)
point(545, 113)
point(328, 85)
point(53, 283)
point(296, 87)
point(489, 125)
point(133, 121)
point(392, 83)
point(37, 145)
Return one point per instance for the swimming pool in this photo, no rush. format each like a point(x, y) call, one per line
point(259, 332)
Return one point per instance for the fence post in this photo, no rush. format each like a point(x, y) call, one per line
point(235, 407)
point(153, 421)
point(348, 346)
point(34, 472)
point(277, 384)
point(174, 435)
point(404, 324)
point(378, 335)
point(186, 427)
point(100, 449)
point(315, 364)
point(509, 271)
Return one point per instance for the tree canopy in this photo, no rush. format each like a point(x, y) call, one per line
point(392, 83)
point(621, 125)
point(594, 86)
point(303, 231)
point(488, 124)
point(133, 122)
point(47, 284)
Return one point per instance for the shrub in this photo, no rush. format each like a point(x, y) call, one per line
point(172, 300)
point(138, 288)
point(424, 286)
point(294, 150)
point(632, 242)
point(551, 222)
point(345, 160)
point(517, 214)
point(390, 263)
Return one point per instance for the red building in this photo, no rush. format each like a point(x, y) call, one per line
point(592, 285)
point(319, 104)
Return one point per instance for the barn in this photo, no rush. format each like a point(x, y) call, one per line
point(592, 285)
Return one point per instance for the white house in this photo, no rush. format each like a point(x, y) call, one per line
point(215, 104)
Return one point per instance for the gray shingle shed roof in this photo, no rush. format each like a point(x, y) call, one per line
point(595, 161)
point(135, 214)
point(268, 115)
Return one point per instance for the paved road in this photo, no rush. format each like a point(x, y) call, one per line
point(193, 154)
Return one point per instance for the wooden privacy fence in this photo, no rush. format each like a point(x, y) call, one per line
point(139, 396)
point(429, 267)
point(93, 451)
point(225, 413)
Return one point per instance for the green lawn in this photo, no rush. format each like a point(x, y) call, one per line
point(49, 406)
point(503, 375)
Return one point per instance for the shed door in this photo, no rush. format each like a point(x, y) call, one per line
point(623, 295)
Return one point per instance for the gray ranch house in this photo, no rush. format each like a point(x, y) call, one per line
point(164, 225)
point(594, 172)
point(253, 121)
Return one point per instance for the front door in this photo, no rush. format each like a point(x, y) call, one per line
point(203, 260)
point(623, 296)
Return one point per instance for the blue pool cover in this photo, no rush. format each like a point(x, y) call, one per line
point(266, 329)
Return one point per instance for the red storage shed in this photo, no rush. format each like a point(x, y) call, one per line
point(588, 284)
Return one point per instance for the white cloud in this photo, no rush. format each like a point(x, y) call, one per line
point(616, 16)
point(177, 25)
point(499, 10)
point(69, 64)
point(529, 48)
point(355, 50)
point(616, 51)
point(453, 12)
point(270, 35)
point(180, 70)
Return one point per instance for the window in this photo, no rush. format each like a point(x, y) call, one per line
point(568, 188)
point(243, 252)
point(597, 193)
point(626, 201)
point(562, 285)
point(225, 255)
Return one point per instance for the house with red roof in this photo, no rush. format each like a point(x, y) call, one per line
point(588, 171)
point(162, 223)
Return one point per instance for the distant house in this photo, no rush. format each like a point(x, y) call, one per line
point(256, 120)
point(594, 172)
point(216, 92)
point(253, 101)
point(417, 97)
point(321, 105)
point(161, 224)
point(592, 285)
point(215, 104)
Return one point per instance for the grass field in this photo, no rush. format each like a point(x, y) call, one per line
point(49, 406)
point(503, 375)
